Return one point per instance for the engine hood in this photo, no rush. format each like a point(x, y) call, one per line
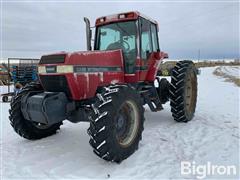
point(111, 58)
point(79, 74)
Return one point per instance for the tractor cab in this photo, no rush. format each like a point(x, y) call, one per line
point(133, 33)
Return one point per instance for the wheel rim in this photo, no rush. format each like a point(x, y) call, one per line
point(190, 94)
point(127, 123)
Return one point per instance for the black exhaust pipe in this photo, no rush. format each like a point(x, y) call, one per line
point(88, 34)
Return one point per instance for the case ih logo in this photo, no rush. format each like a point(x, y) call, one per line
point(51, 69)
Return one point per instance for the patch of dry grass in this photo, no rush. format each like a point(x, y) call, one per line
point(228, 78)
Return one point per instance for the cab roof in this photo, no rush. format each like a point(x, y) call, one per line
point(126, 16)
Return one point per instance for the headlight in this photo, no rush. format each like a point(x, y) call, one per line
point(65, 69)
point(41, 69)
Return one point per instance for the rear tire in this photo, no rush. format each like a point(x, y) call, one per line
point(183, 91)
point(116, 123)
point(27, 129)
point(163, 90)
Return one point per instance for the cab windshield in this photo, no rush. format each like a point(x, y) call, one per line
point(120, 35)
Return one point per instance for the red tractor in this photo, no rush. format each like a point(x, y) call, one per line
point(108, 86)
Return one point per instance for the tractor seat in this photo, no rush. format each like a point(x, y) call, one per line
point(116, 45)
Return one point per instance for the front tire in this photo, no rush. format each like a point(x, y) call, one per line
point(116, 123)
point(27, 129)
point(183, 91)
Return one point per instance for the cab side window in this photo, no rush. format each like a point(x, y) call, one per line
point(146, 45)
point(154, 38)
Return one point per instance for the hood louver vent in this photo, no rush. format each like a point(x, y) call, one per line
point(52, 59)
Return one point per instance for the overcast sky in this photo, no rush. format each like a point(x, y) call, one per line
point(31, 29)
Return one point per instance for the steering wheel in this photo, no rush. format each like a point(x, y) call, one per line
point(119, 45)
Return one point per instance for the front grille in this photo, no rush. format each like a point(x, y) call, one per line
point(52, 59)
point(55, 84)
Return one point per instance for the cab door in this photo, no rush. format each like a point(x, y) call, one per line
point(145, 46)
point(148, 45)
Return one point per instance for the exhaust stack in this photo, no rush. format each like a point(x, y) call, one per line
point(88, 33)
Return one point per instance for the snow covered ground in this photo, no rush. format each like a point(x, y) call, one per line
point(212, 136)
